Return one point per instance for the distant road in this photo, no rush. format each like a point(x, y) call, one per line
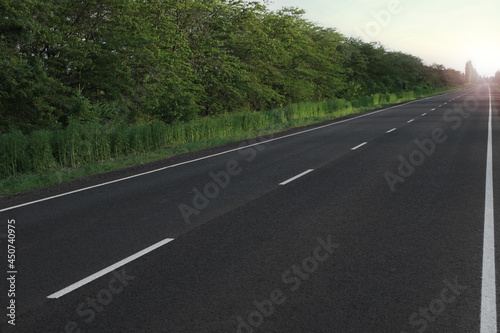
point(376, 223)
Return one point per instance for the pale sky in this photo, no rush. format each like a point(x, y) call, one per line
point(447, 32)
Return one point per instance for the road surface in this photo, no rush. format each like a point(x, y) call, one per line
point(381, 222)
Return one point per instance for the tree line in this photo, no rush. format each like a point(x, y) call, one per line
point(128, 61)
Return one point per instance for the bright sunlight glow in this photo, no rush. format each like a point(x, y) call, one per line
point(486, 58)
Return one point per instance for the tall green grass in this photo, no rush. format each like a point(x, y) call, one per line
point(81, 144)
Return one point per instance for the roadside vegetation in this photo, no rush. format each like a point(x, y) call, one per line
point(96, 85)
point(43, 158)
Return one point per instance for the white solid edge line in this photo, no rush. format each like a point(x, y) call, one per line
point(359, 146)
point(111, 268)
point(488, 288)
point(392, 130)
point(409, 121)
point(296, 177)
point(209, 156)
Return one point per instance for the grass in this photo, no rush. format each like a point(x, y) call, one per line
point(46, 158)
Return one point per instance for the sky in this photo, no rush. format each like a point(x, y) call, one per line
point(446, 32)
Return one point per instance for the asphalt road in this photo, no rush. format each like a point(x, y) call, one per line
point(383, 232)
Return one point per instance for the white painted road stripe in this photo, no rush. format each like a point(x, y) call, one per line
point(409, 121)
point(297, 177)
point(392, 130)
point(207, 157)
point(488, 288)
point(433, 109)
point(111, 268)
point(423, 114)
point(359, 146)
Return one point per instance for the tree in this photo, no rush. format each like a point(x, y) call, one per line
point(111, 61)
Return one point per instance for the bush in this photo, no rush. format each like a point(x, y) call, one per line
point(82, 143)
point(14, 157)
point(40, 150)
point(364, 101)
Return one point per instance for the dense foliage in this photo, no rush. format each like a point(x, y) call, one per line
point(84, 143)
point(113, 61)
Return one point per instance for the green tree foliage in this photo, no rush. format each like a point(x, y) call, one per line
point(448, 77)
point(110, 61)
point(371, 69)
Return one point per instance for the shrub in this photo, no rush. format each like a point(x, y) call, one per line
point(40, 150)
